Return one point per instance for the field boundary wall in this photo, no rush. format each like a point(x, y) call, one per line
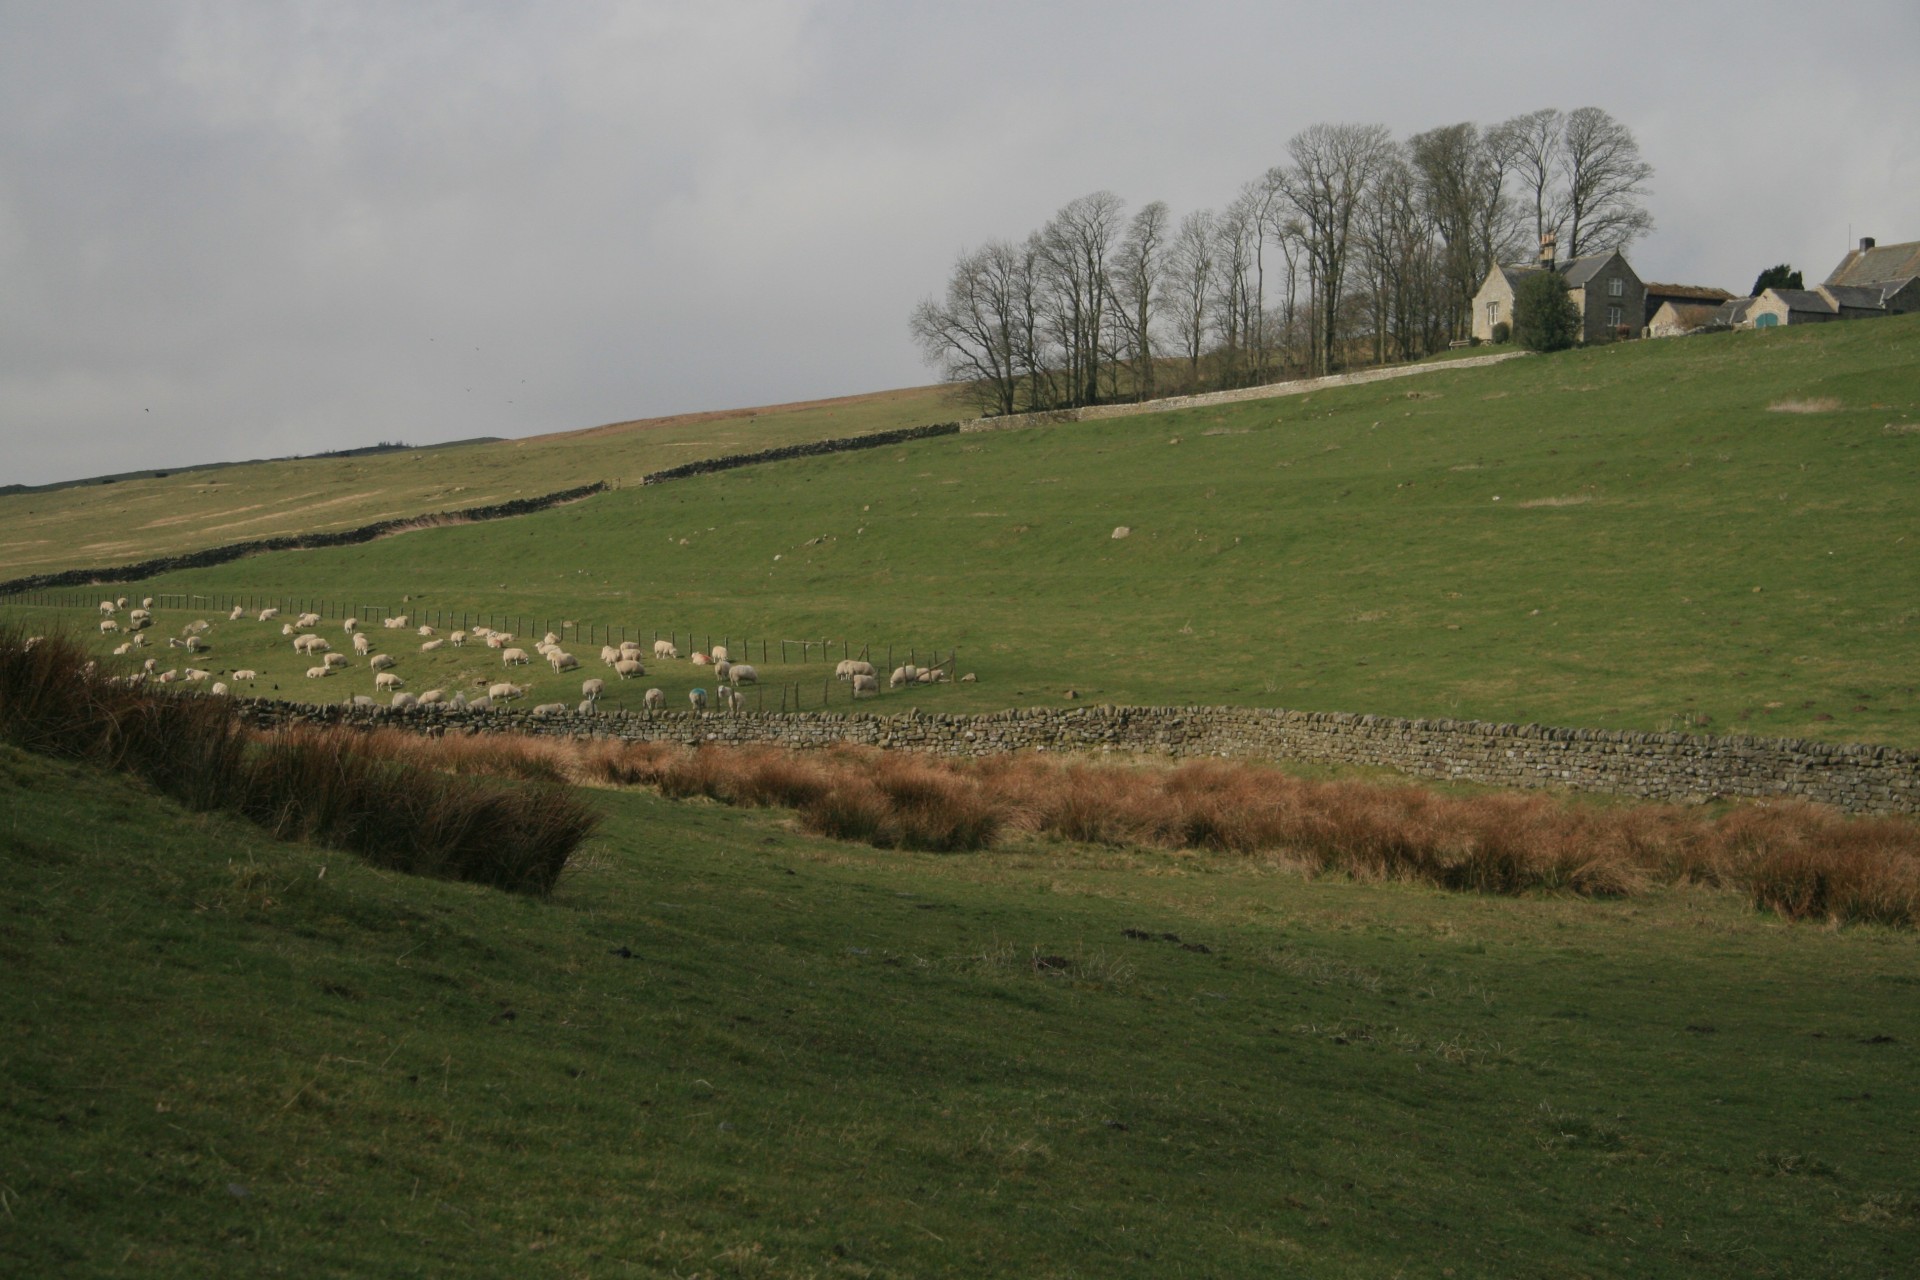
point(1665, 767)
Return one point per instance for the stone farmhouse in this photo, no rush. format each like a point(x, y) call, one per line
point(1873, 280)
point(1611, 298)
point(1681, 308)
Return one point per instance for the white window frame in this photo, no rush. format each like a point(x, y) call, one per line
point(1616, 288)
point(1616, 316)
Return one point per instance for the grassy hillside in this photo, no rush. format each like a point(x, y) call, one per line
point(1712, 532)
point(726, 1049)
point(94, 526)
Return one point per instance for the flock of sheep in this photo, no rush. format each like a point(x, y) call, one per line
point(624, 660)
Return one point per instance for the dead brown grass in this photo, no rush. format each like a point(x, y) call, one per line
point(1817, 404)
point(1800, 860)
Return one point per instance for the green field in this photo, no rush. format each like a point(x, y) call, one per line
point(93, 526)
point(727, 1049)
point(1710, 533)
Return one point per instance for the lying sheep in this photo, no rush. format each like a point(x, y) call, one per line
point(307, 620)
point(627, 668)
point(700, 659)
point(592, 689)
point(287, 629)
point(237, 614)
point(268, 615)
point(246, 673)
point(196, 627)
point(866, 684)
point(425, 630)
point(362, 700)
point(665, 649)
point(388, 680)
point(482, 703)
point(428, 646)
point(195, 674)
point(123, 649)
point(499, 639)
point(433, 697)
point(514, 658)
point(656, 700)
point(744, 674)
point(848, 668)
point(932, 675)
point(381, 661)
point(551, 709)
point(506, 692)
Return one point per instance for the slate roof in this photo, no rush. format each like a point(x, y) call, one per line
point(1581, 270)
point(1806, 300)
point(1732, 311)
point(1866, 297)
point(1879, 265)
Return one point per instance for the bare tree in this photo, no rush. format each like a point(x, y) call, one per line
point(1462, 188)
point(1074, 249)
point(1531, 146)
point(973, 334)
point(1236, 239)
point(1333, 165)
point(1399, 262)
point(1605, 179)
point(1139, 265)
point(1188, 287)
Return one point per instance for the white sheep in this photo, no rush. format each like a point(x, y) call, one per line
point(195, 644)
point(665, 649)
point(481, 703)
point(627, 668)
point(237, 614)
point(630, 648)
point(458, 639)
point(350, 626)
point(307, 620)
point(866, 684)
point(287, 629)
point(498, 639)
point(146, 602)
point(932, 675)
point(698, 698)
point(106, 608)
point(563, 661)
point(195, 627)
point(319, 673)
point(902, 676)
point(336, 660)
point(514, 658)
point(743, 674)
point(195, 674)
point(404, 700)
point(388, 680)
point(700, 659)
point(122, 602)
point(150, 666)
point(123, 649)
point(428, 646)
point(656, 700)
point(550, 638)
point(108, 626)
point(425, 630)
point(246, 673)
point(362, 700)
point(170, 676)
point(362, 644)
point(219, 689)
point(268, 615)
point(433, 697)
point(721, 671)
point(719, 653)
point(609, 654)
point(308, 643)
point(506, 692)
point(381, 661)
point(592, 689)
point(551, 709)
point(729, 697)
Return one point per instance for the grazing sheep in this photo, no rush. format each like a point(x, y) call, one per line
point(428, 646)
point(721, 670)
point(865, 684)
point(903, 676)
point(246, 673)
point(665, 649)
point(350, 626)
point(287, 629)
point(146, 602)
point(698, 697)
point(481, 703)
point(609, 654)
point(425, 630)
point(196, 627)
point(969, 678)
point(506, 692)
point(197, 645)
point(563, 661)
point(719, 653)
point(388, 680)
point(655, 700)
point(401, 701)
point(848, 668)
point(149, 666)
point(106, 608)
point(729, 697)
point(219, 689)
point(592, 689)
point(123, 649)
point(744, 674)
point(362, 644)
point(381, 661)
point(514, 658)
point(122, 602)
point(932, 675)
point(336, 660)
point(108, 626)
point(433, 697)
point(627, 668)
point(319, 673)
point(458, 639)
point(268, 615)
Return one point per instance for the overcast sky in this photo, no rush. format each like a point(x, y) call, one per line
point(248, 229)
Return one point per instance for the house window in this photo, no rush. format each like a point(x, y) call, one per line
point(1616, 288)
point(1493, 315)
point(1614, 317)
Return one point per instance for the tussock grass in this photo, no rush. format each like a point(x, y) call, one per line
point(387, 800)
point(1800, 860)
point(1817, 404)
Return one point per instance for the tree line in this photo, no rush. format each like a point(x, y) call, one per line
point(1357, 247)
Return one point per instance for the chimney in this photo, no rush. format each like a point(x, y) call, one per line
point(1866, 243)
point(1548, 243)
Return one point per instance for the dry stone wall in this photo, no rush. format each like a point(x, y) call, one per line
point(1685, 768)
